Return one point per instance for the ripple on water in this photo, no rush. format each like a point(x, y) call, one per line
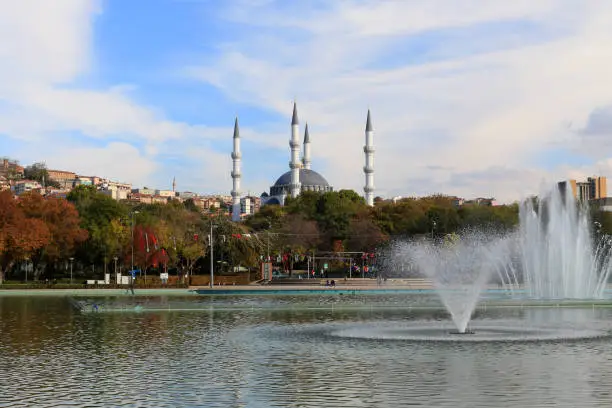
point(51, 356)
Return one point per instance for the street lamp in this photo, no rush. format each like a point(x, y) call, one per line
point(132, 217)
point(268, 236)
point(212, 263)
point(71, 259)
point(115, 259)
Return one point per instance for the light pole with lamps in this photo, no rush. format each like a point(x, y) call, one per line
point(212, 262)
point(115, 259)
point(132, 216)
point(71, 259)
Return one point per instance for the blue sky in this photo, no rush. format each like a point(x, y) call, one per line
point(468, 97)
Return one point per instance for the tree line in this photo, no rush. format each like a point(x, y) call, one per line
point(91, 233)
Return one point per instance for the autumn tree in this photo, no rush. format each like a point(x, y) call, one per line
point(20, 236)
point(298, 235)
point(63, 223)
point(234, 244)
point(183, 235)
point(364, 235)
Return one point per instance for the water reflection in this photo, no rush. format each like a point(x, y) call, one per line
point(52, 355)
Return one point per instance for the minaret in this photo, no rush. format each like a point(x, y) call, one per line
point(295, 164)
point(236, 156)
point(174, 184)
point(368, 169)
point(306, 158)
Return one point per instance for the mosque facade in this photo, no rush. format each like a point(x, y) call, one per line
point(300, 176)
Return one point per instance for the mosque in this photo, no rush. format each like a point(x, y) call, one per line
point(300, 176)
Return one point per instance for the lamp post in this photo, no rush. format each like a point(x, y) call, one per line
point(132, 216)
point(115, 259)
point(268, 236)
point(212, 264)
point(433, 228)
point(71, 259)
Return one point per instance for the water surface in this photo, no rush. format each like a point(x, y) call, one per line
point(279, 351)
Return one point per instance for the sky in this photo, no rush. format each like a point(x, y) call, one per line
point(468, 98)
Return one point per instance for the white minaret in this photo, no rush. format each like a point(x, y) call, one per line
point(295, 164)
point(236, 156)
point(368, 169)
point(306, 158)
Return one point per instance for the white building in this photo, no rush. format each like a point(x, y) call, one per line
point(165, 193)
point(24, 186)
point(143, 191)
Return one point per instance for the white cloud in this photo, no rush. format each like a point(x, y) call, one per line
point(45, 42)
point(468, 112)
point(46, 47)
point(119, 161)
point(466, 118)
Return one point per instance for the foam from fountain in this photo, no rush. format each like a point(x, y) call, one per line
point(558, 256)
point(459, 270)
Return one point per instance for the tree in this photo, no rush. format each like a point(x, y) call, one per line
point(20, 236)
point(335, 210)
point(62, 221)
point(102, 217)
point(502, 217)
point(183, 235)
point(267, 217)
point(190, 205)
point(234, 243)
point(364, 235)
point(38, 172)
point(298, 235)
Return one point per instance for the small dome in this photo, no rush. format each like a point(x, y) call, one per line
point(273, 201)
point(307, 178)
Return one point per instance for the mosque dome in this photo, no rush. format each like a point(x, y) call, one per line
point(309, 179)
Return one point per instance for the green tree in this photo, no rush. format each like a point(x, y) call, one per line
point(38, 172)
point(106, 221)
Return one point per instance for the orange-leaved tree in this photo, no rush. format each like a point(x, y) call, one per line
point(63, 223)
point(20, 236)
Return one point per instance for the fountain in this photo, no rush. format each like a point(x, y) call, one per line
point(552, 255)
point(459, 270)
point(558, 258)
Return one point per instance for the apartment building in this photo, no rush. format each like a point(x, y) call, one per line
point(66, 179)
point(23, 186)
point(594, 188)
point(165, 193)
point(11, 170)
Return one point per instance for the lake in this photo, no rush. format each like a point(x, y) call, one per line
point(291, 351)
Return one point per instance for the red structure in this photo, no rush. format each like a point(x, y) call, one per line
point(147, 249)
